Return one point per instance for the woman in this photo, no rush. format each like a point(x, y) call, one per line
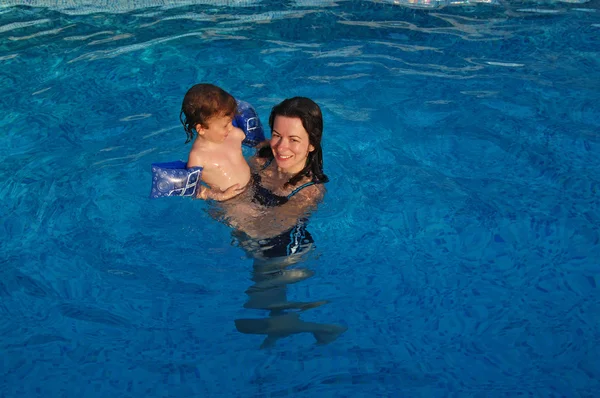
point(270, 218)
point(287, 183)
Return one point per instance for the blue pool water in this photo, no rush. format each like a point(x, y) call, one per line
point(458, 241)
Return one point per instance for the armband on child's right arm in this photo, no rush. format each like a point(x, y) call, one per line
point(247, 119)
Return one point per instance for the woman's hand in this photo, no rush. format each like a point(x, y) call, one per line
point(262, 144)
point(207, 193)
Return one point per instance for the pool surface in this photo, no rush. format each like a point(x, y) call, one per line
point(457, 247)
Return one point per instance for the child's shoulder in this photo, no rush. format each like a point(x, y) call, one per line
point(195, 158)
point(201, 151)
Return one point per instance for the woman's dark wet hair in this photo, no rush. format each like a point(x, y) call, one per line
point(203, 102)
point(310, 115)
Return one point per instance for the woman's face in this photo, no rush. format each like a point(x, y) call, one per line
point(290, 144)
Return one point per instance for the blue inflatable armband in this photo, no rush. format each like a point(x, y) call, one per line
point(173, 179)
point(247, 119)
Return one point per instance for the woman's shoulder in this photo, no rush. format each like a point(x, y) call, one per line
point(308, 189)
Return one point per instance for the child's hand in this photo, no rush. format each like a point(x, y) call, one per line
point(207, 193)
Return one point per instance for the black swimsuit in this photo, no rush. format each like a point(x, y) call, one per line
point(292, 241)
point(265, 197)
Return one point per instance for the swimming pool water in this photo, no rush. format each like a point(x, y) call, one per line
point(458, 241)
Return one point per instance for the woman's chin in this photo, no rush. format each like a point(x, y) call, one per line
point(288, 165)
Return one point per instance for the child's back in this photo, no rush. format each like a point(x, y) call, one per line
point(217, 148)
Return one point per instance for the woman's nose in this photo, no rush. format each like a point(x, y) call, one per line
point(281, 144)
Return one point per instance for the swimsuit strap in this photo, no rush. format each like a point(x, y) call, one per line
point(267, 163)
point(295, 191)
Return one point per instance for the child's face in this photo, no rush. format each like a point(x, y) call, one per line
point(218, 129)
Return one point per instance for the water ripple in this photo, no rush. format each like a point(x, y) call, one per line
point(540, 10)
point(39, 34)
point(7, 57)
point(408, 47)
point(85, 37)
point(111, 39)
point(467, 28)
point(349, 51)
point(134, 118)
point(38, 339)
point(100, 54)
point(41, 91)
point(267, 16)
point(326, 79)
point(506, 64)
point(202, 17)
point(91, 314)
point(157, 132)
point(21, 25)
point(416, 71)
point(83, 7)
point(123, 159)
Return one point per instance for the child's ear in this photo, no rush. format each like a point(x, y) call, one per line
point(199, 129)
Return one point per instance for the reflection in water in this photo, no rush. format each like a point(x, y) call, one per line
point(269, 292)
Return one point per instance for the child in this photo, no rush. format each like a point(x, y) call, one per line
point(208, 111)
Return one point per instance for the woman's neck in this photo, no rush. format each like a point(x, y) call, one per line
point(284, 173)
point(279, 176)
point(288, 172)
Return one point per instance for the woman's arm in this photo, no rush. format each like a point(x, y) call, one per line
point(272, 221)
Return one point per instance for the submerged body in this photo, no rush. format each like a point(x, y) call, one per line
point(269, 292)
point(279, 326)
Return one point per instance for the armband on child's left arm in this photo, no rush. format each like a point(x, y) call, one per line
point(174, 179)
